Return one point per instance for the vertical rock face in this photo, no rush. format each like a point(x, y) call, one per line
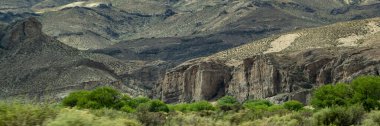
point(203, 81)
point(256, 77)
point(28, 29)
point(278, 77)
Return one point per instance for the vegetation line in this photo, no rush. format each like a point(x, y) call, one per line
point(356, 103)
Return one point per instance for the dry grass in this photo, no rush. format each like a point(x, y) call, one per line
point(354, 33)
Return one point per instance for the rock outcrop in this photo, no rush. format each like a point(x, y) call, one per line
point(205, 80)
point(278, 77)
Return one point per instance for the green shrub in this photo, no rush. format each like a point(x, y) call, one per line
point(158, 106)
point(101, 97)
point(367, 90)
point(127, 109)
point(71, 117)
point(153, 106)
point(370, 104)
point(257, 104)
point(134, 103)
point(372, 119)
point(182, 107)
point(274, 108)
point(332, 95)
point(125, 100)
point(200, 106)
point(363, 90)
point(227, 103)
point(366, 87)
point(76, 98)
point(340, 116)
point(18, 114)
point(196, 106)
point(293, 105)
point(104, 97)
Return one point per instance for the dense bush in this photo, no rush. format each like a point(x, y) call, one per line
point(182, 107)
point(293, 105)
point(367, 90)
point(127, 109)
point(370, 104)
point(195, 106)
point(79, 98)
point(332, 95)
point(366, 87)
point(134, 103)
point(18, 114)
point(103, 97)
point(227, 103)
point(339, 116)
point(130, 104)
point(363, 90)
point(200, 106)
point(257, 104)
point(106, 97)
point(158, 106)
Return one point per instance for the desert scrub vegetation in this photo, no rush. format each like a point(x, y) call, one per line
point(352, 104)
point(363, 91)
point(25, 114)
point(73, 117)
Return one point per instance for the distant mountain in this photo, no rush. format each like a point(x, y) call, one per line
point(96, 24)
point(37, 66)
point(132, 43)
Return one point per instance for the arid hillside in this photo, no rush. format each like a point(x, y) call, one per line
point(279, 68)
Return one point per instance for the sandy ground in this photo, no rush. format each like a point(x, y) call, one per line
point(74, 4)
point(282, 42)
point(352, 40)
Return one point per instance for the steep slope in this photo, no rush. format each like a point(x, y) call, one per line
point(223, 24)
point(38, 66)
point(96, 24)
point(132, 42)
point(279, 68)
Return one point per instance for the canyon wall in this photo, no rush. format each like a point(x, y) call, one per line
point(275, 76)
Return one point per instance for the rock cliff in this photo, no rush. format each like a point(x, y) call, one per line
point(287, 73)
point(278, 77)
